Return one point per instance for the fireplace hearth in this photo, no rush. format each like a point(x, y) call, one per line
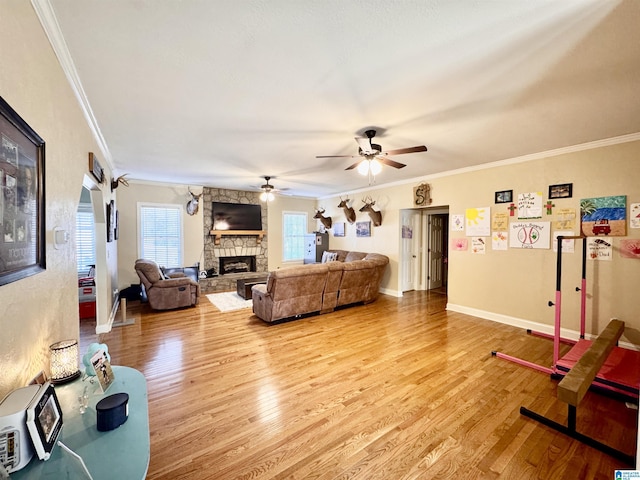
point(238, 264)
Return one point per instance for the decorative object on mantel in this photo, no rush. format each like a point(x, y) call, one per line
point(326, 221)
point(95, 168)
point(349, 212)
point(193, 203)
point(64, 361)
point(120, 180)
point(421, 195)
point(375, 215)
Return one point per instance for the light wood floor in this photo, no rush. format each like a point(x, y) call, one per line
point(398, 389)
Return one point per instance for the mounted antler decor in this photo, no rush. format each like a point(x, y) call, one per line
point(117, 181)
point(349, 212)
point(193, 203)
point(326, 221)
point(376, 215)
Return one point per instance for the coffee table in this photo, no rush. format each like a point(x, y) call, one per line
point(244, 284)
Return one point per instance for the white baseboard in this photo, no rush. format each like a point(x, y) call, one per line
point(526, 324)
point(112, 316)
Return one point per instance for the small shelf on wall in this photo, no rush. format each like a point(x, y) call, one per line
point(218, 234)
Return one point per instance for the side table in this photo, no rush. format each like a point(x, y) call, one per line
point(120, 453)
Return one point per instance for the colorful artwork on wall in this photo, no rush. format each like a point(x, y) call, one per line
point(530, 235)
point(478, 221)
point(530, 205)
point(499, 240)
point(459, 244)
point(599, 249)
point(634, 215)
point(604, 216)
point(478, 245)
point(568, 245)
point(630, 248)
point(457, 223)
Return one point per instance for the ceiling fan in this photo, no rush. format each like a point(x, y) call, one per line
point(267, 190)
point(372, 152)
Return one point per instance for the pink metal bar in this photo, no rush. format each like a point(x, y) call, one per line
point(525, 363)
point(548, 336)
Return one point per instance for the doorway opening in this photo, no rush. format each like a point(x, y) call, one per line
point(424, 249)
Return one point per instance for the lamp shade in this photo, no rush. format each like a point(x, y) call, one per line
point(64, 361)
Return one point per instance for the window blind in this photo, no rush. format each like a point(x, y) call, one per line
point(294, 228)
point(161, 234)
point(85, 240)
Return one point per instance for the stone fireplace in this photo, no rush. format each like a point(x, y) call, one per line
point(243, 246)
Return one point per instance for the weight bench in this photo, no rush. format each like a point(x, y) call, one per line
point(575, 384)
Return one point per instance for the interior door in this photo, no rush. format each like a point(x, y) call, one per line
point(410, 249)
point(436, 250)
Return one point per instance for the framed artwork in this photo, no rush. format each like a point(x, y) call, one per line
point(363, 229)
point(504, 196)
point(22, 203)
point(95, 168)
point(111, 221)
point(563, 190)
point(338, 229)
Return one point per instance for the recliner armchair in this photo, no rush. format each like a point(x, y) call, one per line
point(166, 293)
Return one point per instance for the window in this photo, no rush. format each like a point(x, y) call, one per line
point(294, 228)
point(85, 239)
point(160, 233)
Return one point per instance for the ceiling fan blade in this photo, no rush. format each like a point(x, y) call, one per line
point(365, 145)
point(391, 163)
point(351, 167)
point(336, 156)
point(400, 151)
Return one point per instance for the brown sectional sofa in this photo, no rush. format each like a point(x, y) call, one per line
point(354, 277)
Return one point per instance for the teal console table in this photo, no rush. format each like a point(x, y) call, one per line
point(122, 453)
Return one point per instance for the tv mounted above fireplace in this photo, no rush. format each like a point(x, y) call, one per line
point(236, 216)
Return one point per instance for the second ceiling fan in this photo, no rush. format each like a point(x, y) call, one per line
point(372, 151)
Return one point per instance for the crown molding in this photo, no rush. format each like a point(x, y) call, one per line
point(46, 15)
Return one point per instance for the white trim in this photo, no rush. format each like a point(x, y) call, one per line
point(526, 324)
point(50, 25)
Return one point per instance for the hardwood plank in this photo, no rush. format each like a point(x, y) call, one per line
point(399, 388)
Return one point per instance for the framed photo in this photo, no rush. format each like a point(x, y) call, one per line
point(504, 196)
point(95, 168)
point(363, 229)
point(563, 190)
point(44, 420)
point(104, 372)
point(338, 229)
point(22, 225)
point(111, 221)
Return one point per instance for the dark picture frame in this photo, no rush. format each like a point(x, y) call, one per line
point(95, 168)
point(562, 190)
point(22, 199)
point(504, 196)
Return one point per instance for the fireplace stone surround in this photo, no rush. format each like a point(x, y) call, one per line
point(230, 245)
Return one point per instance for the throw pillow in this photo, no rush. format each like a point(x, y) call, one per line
point(329, 256)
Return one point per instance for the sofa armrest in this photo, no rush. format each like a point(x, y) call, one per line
point(174, 282)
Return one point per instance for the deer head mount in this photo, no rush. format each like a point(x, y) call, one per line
point(375, 215)
point(193, 203)
point(349, 212)
point(326, 221)
point(117, 181)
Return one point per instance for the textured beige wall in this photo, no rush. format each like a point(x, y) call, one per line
point(128, 198)
point(40, 310)
point(515, 285)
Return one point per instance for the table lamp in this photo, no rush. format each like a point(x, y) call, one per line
point(64, 361)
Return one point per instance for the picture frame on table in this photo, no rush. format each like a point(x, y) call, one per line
point(22, 199)
point(102, 367)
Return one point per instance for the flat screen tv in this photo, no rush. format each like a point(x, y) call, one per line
point(236, 216)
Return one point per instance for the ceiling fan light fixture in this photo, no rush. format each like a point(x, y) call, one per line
point(375, 166)
point(369, 167)
point(266, 196)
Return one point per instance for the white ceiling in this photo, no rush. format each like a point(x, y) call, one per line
point(221, 93)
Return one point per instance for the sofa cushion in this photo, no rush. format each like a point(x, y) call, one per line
point(353, 256)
